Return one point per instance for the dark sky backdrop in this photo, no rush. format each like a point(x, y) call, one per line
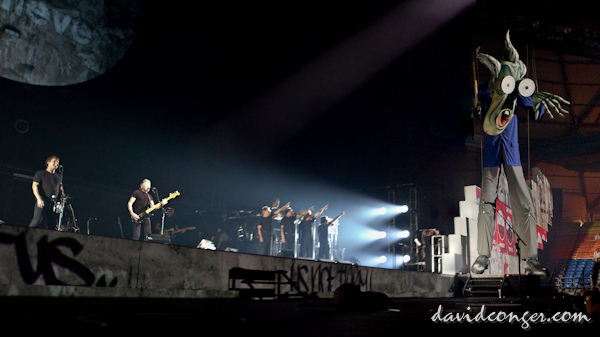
point(163, 113)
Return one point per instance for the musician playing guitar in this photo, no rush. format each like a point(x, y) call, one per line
point(139, 202)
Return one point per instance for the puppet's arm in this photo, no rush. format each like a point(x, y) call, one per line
point(548, 101)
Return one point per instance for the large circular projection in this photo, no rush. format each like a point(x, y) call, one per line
point(63, 42)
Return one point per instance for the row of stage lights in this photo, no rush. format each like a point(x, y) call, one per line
point(399, 259)
point(393, 235)
point(393, 210)
point(376, 235)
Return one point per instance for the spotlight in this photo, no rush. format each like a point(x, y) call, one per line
point(400, 209)
point(401, 259)
point(394, 210)
point(381, 211)
point(206, 244)
point(381, 259)
point(403, 234)
point(376, 235)
point(418, 242)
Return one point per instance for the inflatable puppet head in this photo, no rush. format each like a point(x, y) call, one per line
point(507, 81)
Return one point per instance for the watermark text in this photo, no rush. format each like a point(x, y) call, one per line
point(526, 320)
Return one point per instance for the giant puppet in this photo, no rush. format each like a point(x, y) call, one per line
point(507, 89)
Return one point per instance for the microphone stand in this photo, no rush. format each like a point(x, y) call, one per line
point(60, 188)
point(88, 224)
point(164, 212)
point(519, 240)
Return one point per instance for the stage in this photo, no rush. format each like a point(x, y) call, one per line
point(63, 282)
point(37, 262)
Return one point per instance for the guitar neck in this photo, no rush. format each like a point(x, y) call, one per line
point(161, 204)
point(155, 207)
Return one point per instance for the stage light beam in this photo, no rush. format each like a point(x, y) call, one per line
point(402, 259)
point(381, 211)
point(339, 72)
point(403, 234)
point(375, 235)
point(400, 209)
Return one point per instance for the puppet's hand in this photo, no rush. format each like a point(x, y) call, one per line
point(549, 102)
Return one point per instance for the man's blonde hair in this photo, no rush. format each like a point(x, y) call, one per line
point(145, 181)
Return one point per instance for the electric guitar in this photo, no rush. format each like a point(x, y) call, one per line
point(59, 203)
point(147, 212)
point(175, 231)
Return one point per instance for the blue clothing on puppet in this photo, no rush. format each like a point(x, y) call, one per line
point(508, 139)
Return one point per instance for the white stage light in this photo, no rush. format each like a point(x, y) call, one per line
point(400, 209)
point(381, 211)
point(381, 259)
point(403, 234)
point(376, 235)
point(402, 259)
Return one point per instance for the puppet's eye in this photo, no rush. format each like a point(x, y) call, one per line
point(526, 87)
point(507, 84)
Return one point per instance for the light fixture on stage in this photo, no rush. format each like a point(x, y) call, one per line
point(399, 209)
point(392, 210)
point(381, 211)
point(396, 234)
point(375, 235)
point(382, 259)
point(402, 259)
point(403, 234)
point(206, 244)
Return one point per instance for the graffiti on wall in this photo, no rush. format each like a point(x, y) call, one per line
point(326, 277)
point(49, 253)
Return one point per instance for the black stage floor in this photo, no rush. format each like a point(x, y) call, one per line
point(293, 317)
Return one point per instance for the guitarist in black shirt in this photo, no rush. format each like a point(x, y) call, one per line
point(139, 202)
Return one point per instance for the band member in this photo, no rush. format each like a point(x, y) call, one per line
point(323, 233)
point(305, 233)
point(288, 227)
point(46, 185)
point(275, 205)
point(139, 202)
point(264, 229)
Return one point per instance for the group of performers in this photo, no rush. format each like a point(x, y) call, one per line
point(50, 198)
point(295, 231)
